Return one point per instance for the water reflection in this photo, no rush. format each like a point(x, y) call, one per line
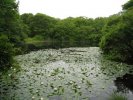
point(57, 45)
point(124, 83)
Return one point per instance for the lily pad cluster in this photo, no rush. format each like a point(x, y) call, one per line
point(60, 74)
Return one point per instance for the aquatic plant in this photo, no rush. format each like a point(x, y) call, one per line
point(42, 77)
point(117, 96)
point(55, 72)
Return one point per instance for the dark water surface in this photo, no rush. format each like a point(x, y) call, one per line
point(57, 45)
point(76, 73)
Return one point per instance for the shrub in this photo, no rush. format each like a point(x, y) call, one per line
point(6, 52)
point(116, 42)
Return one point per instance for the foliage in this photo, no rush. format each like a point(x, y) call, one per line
point(64, 30)
point(116, 42)
point(26, 18)
point(39, 24)
point(10, 24)
point(11, 32)
point(36, 38)
point(6, 52)
point(128, 5)
point(80, 29)
point(116, 96)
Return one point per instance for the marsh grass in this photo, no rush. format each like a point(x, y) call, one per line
point(117, 96)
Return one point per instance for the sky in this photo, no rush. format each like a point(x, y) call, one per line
point(72, 8)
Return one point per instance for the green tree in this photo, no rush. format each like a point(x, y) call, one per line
point(10, 27)
point(128, 5)
point(42, 24)
point(64, 30)
point(27, 18)
point(6, 52)
point(118, 37)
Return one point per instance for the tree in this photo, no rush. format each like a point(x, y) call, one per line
point(27, 18)
point(6, 52)
point(128, 5)
point(42, 24)
point(10, 21)
point(117, 40)
point(10, 31)
point(64, 30)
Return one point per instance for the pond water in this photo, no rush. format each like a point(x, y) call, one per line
point(56, 45)
point(64, 74)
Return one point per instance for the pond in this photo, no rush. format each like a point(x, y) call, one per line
point(76, 73)
point(56, 45)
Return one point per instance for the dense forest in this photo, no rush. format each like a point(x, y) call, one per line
point(114, 34)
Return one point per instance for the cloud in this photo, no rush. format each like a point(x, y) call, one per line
point(74, 8)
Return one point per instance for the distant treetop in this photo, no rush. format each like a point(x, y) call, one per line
point(128, 5)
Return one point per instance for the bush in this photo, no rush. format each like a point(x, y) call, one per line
point(6, 52)
point(36, 38)
point(117, 41)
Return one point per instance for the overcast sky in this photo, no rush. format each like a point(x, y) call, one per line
point(74, 8)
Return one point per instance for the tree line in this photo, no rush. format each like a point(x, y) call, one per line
point(80, 29)
point(114, 34)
